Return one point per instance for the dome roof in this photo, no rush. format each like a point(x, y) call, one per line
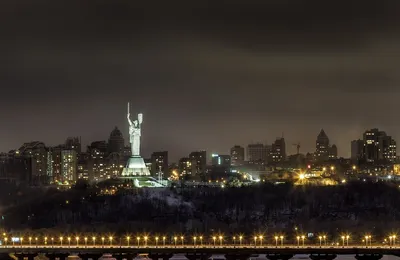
point(115, 133)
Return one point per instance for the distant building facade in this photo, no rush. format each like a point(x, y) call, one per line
point(159, 163)
point(237, 155)
point(323, 150)
point(257, 153)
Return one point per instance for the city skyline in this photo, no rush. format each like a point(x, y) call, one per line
point(205, 78)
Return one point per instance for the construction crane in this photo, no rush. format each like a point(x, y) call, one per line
point(297, 147)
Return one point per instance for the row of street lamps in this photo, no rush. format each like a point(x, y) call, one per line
point(197, 240)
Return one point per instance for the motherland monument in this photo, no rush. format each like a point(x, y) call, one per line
point(135, 165)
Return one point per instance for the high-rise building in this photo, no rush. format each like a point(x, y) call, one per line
point(198, 161)
point(378, 147)
point(322, 147)
point(116, 142)
point(333, 152)
point(38, 153)
point(159, 163)
point(73, 143)
point(257, 153)
point(185, 166)
point(357, 150)
point(221, 160)
point(68, 166)
point(278, 150)
point(237, 155)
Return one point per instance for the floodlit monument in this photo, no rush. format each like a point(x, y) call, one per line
point(135, 165)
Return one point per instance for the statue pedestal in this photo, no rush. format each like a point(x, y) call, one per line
point(135, 167)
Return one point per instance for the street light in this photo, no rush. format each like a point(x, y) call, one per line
point(298, 241)
point(85, 241)
point(163, 239)
point(138, 241)
point(194, 241)
point(69, 242)
point(22, 239)
point(347, 240)
point(324, 237)
point(303, 238)
point(343, 237)
point(281, 240)
point(5, 240)
point(214, 238)
point(182, 239)
point(261, 239)
point(45, 241)
point(175, 239)
point(102, 241)
point(201, 240)
point(30, 241)
point(156, 241)
point(110, 238)
point(240, 240)
point(394, 240)
point(145, 241)
point(255, 241)
point(234, 241)
point(220, 240)
point(52, 242)
point(276, 241)
point(94, 241)
point(77, 241)
point(127, 239)
point(61, 239)
point(320, 241)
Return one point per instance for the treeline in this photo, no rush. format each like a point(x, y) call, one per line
point(266, 207)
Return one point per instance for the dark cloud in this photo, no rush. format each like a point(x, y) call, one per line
point(206, 74)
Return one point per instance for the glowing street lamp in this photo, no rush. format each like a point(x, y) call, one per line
point(234, 241)
point(77, 241)
point(102, 241)
point(324, 237)
point(21, 239)
point(163, 239)
point(156, 241)
point(182, 239)
point(30, 241)
point(201, 240)
point(220, 240)
point(45, 241)
point(214, 238)
point(94, 241)
point(261, 239)
point(281, 240)
point(194, 241)
point(303, 238)
point(5, 240)
point(320, 241)
point(145, 241)
point(240, 240)
point(347, 240)
point(138, 241)
point(343, 237)
point(394, 240)
point(298, 241)
point(111, 239)
point(85, 241)
point(276, 241)
point(36, 241)
point(127, 240)
point(255, 241)
point(175, 239)
point(61, 239)
point(69, 241)
point(52, 242)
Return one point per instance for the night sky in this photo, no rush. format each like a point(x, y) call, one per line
point(206, 75)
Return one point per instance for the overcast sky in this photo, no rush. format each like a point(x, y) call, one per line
point(206, 74)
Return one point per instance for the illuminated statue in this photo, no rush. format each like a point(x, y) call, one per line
point(135, 165)
point(135, 133)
